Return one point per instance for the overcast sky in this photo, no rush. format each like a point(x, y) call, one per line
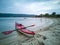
point(29, 6)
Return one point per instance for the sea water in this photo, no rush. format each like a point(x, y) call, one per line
point(8, 23)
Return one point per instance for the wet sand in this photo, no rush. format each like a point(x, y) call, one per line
point(47, 36)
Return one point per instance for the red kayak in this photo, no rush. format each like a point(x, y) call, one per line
point(22, 29)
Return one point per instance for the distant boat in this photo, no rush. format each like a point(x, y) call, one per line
point(25, 17)
point(23, 30)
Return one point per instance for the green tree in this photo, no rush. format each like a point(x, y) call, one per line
point(54, 13)
point(46, 14)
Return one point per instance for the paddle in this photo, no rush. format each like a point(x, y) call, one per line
point(10, 31)
point(29, 26)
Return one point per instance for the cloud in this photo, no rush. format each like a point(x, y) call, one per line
point(29, 6)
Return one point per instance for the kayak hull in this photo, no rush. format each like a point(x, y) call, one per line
point(25, 32)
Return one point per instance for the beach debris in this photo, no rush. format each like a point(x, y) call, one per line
point(42, 43)
point(40, 36)
point(44, 37)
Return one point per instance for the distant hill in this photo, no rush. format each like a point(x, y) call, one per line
point(16, 15)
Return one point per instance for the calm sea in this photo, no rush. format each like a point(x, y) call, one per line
point(9, 23)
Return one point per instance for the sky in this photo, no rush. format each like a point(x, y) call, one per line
point(30, 6)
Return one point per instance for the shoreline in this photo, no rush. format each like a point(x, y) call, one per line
point(49, 35)
point(44, 28)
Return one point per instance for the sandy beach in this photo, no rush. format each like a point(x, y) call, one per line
point(49, 35)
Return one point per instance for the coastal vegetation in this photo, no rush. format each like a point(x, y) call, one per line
point(49, 15)
point(53, 14)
